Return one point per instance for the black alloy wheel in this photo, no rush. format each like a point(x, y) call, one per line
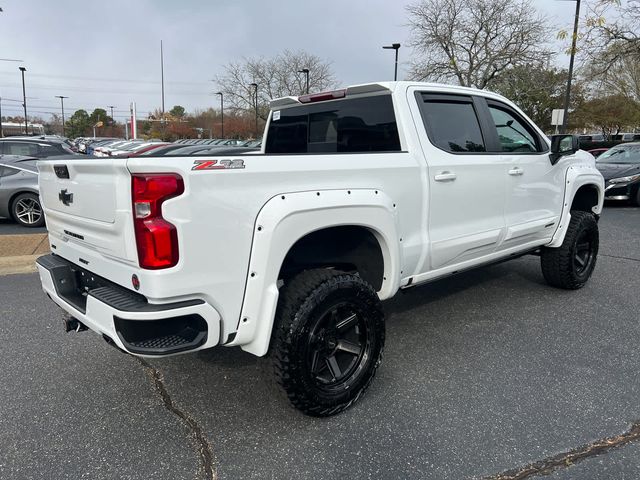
point(570, 266)
point(337, 345)
point(583, 253)
point(327, 340)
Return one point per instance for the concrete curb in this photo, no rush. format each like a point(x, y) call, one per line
point(20, 245)
point(18, 253)
point(18, 264)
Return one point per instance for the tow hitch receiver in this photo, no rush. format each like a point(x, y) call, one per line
point(74, 324)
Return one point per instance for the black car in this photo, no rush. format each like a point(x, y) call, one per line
point(34, 147)
point(620, 167)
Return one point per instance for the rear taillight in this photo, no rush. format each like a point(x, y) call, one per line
point(156, 239)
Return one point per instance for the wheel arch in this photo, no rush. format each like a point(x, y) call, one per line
point(287, 229)
point(586, 198)
point(346, 247)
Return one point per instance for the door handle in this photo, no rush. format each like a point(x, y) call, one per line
point(516, 171)
point(445, 177)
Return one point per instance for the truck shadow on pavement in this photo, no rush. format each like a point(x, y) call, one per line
point(237, 382)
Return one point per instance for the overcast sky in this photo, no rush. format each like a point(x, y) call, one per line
point(108, 53)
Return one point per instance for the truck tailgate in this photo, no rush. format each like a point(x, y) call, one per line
point(88, 202)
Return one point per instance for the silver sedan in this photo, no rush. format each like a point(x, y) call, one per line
point(19, 198)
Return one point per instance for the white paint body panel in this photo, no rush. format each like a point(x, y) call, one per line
point(426, 229)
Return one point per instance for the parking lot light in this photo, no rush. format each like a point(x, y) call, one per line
point(396, 47)
point(24, 101)
point(62, 97)
point(567, 97)
point(221, 113)
point(306, 73)
point(255, 86)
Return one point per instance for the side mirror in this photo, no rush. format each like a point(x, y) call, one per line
point(562, 145)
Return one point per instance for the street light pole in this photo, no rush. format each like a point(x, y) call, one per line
point(396, 47)
point(62, 97)
point(567, 98)
point(306, 73)
point(162, 77)
point(24, 101)
point(255, 86)
point(112, 120)
point(221, 113)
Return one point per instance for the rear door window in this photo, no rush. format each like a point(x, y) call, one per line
point(365, 124)
point(451, 122)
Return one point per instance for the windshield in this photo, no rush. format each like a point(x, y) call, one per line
point(621, 154)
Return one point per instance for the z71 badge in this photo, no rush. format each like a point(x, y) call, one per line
point(217, 165)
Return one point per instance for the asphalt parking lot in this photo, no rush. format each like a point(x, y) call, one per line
point(9, 227)
point(488, 372)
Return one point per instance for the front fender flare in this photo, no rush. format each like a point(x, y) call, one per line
point(577, 176)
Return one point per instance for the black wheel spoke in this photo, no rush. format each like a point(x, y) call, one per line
point(582, 247)
point(581, 261)
point(314, 362)
point(349, 347)
point(347, 323)
point(334, 368)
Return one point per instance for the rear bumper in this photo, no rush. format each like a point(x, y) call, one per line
point(124, 316)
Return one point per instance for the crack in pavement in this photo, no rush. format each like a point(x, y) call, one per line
point(204, 449)
point(621, 258)
point(566, 459)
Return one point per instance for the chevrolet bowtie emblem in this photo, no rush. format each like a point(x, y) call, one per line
point(65, 197)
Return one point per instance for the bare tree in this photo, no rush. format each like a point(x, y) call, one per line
point(473, 41)
point(612, 32)
point(610, 72)
point(538, 90)
point(276, 77)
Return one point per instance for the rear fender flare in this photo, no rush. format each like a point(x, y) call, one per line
point(286, 218)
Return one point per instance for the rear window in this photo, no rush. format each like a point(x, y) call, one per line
point(365, 124)
point(21, 148)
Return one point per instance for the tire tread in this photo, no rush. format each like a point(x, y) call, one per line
point(557, 262)
point(280, 358)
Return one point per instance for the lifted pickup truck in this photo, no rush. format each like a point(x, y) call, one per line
point(287, 253)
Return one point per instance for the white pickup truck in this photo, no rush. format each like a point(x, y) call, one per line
point(287, 253)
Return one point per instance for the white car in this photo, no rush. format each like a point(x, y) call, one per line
point(106, 150)
point(129, 148)
point(356, 194)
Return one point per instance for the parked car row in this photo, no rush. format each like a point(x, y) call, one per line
point(598, 137)
point(620, 165)
point(116, 147)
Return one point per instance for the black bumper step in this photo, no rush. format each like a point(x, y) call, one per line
point(147, 337)
point(74, 284)
point(161, 337)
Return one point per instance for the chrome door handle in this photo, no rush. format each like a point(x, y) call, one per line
point(445, 177)
point(516, 171)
